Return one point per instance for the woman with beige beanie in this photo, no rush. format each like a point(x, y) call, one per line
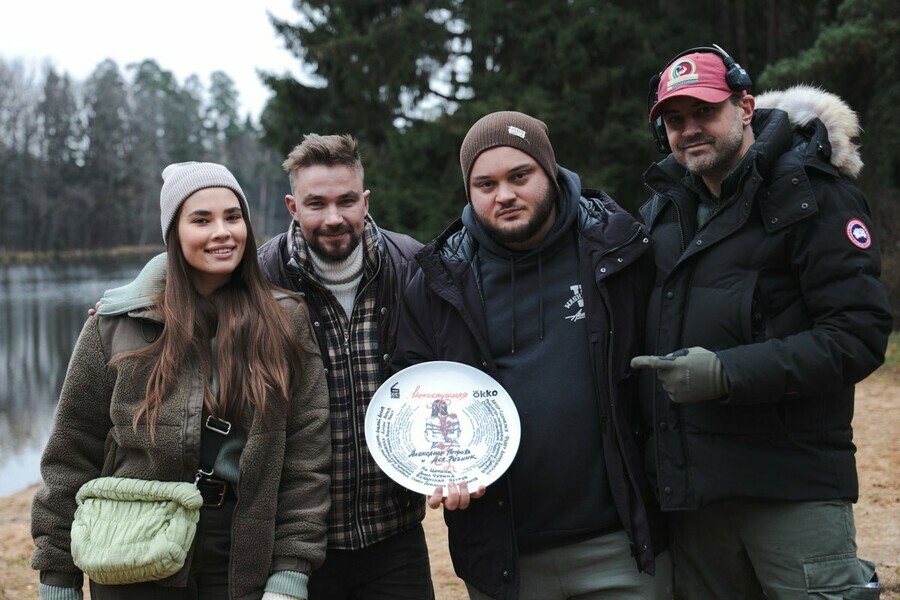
point(213, 380)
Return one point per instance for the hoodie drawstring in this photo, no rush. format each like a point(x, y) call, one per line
point(512, 270)
point(541, 292)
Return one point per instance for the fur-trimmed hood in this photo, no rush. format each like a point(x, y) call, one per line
point(803, 103)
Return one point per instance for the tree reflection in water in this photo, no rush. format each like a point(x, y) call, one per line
point(42, 310)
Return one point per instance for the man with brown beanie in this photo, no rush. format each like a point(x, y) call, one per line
point(543, 285)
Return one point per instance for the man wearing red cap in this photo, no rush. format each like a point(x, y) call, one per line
point(767, 309)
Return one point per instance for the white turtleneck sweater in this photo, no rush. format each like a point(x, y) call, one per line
point(341, 278)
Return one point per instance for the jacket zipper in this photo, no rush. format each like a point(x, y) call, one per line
point(663, 500)
point(609, 417)
point(634, 236)
point(348, 349)
point(609, 376)
point(355, 423)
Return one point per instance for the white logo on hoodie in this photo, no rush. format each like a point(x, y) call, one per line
point(577, 298)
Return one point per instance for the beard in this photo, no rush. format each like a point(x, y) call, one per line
point(525, 231)
point(331, 252)
point(721, 157)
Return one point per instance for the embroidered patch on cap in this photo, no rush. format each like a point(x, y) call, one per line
point(683, 72)
point(513, 130)
point(858, 234)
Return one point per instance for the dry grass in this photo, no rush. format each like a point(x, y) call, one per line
point(876, 424)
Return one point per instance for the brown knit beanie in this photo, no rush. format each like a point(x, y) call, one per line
point(180, 180)
point(508, 128)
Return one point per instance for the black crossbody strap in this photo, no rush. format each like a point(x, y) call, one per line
point(216, 430)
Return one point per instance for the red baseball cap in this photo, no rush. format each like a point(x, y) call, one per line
point(699, 75)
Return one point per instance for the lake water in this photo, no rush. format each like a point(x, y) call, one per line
point(42, 310)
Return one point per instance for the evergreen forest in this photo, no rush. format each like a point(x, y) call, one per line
point(80, 161)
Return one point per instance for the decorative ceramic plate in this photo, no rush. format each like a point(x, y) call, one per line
point(437, 422)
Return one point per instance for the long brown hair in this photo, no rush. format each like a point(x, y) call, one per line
point(255, 349)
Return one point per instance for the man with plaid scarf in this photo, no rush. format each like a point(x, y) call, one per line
point(352, 274)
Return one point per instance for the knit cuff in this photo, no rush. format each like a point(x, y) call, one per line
point(277, 596)
point(55, 592)
point(287, 585)
point(143, 291)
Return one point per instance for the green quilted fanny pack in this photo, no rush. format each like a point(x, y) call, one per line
point(132, 530)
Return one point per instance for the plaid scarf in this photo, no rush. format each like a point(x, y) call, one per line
point(366, 506)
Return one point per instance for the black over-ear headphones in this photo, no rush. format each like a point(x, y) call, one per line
point(735, 76)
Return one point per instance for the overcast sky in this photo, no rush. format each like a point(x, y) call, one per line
point(184, 36)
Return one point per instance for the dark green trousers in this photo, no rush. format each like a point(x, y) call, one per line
point(600, 568)
point(772, 550)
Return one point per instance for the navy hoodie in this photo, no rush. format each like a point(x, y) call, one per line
point(538, 337)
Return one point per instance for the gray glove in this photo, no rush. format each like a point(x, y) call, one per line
point(688, 375)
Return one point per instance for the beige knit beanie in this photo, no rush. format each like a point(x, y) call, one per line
point(180, 180)
point(508, 128)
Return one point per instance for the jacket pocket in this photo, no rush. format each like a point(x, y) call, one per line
point(751, 309)
point(724, 313)
point(841, 577)
point(735, 419)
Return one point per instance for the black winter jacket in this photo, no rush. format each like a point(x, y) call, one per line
point(396, 270)
point(443, 319)
point(782, 283)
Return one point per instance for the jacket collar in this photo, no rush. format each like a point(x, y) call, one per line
point(776, 162)
point(827, 120)
point(150, 313)
point(603, 227)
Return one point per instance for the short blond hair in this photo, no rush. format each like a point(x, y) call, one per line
point(326, 150)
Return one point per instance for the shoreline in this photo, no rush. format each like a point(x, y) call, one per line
point(877, 514)
point(35, 257)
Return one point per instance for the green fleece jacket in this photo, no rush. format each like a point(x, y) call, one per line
point(278, 526)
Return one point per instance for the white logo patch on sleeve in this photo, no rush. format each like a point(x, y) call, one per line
point(858, 234)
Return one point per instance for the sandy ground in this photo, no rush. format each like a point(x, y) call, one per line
point(876, 428)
